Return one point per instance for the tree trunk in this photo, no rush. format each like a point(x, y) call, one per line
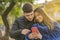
point(5, 21)
point(0, 35)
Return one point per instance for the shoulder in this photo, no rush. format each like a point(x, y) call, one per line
point(56, 24)
point(22, 18)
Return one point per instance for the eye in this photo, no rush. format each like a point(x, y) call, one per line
point(27, 15)
point(31, 14)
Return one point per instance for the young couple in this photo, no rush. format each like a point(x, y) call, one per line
point(48, 28)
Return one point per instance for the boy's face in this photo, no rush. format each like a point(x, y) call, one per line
point(29, 16)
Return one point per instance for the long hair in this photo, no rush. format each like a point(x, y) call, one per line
point(46, 19)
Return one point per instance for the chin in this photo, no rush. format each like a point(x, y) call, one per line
point(30, 20)
point(40, 21)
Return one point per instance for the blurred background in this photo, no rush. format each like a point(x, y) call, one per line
point(12, 9)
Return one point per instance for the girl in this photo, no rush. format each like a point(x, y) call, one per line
point(47, 26)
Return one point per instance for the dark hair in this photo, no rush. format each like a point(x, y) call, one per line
point(27, 8)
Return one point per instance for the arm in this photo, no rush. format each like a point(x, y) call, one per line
point(15, 30)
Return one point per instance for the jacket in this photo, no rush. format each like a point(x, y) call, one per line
point(20, 24)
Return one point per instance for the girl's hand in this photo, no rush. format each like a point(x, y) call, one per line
point(38, 35)
point(35, 36)
point(31, 36)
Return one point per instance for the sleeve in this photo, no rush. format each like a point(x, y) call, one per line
point(56, 24)
point(41, 28)
point(15, 32)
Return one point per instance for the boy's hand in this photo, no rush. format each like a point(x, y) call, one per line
point(25, 31)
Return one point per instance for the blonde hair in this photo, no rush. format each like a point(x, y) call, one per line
point(46, 19)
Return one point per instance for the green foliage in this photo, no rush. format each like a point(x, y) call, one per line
point(16, 11)
point(31, 1)
point(23, 1)
point(7, 0)
point(1, 22)
point(2, 7)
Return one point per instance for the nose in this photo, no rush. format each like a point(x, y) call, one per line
point(30, 17)
point(37, 17)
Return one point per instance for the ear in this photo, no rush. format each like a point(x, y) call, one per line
point(23, 13)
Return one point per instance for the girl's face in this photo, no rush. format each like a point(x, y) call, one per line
point(38, 17)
